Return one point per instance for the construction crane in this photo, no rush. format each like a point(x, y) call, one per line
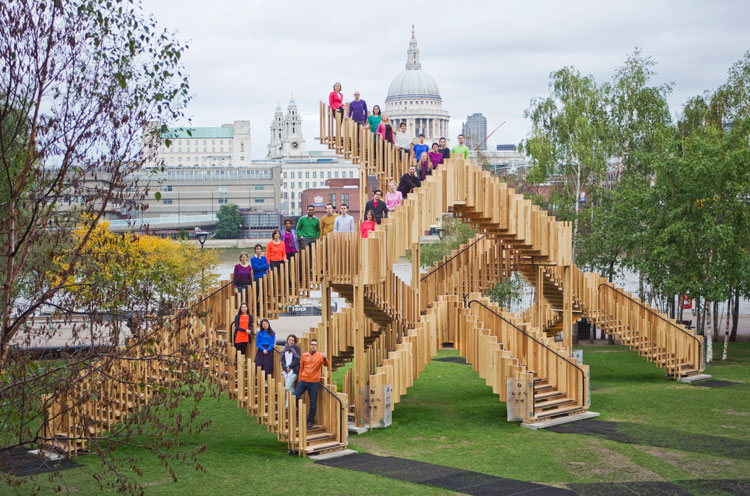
point(493, 132)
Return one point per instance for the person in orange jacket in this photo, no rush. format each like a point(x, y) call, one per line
point(310, 366)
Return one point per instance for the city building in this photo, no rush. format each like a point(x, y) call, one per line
point(300, 175)
point(475, 132)
point(286, 133)
point(414, 98)
point(225, 146)
point(500, 162)
point(185, 197)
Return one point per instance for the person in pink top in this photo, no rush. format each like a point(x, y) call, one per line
point(394, 197)
point(436, 158)
point(368, 224)
point(385, 130)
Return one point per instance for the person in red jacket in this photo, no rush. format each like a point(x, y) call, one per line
point(310, 366)
point(368, 224)
point(336, 102)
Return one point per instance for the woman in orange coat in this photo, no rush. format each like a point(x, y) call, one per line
point(275, 251)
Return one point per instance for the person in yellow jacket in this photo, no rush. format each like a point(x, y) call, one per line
point(310, 366)
point(327, 221)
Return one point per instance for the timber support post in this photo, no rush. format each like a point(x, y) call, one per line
point(360, 360)
point(568, 306)
point(415, 282)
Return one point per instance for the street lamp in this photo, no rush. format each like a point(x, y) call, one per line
point(201, 236)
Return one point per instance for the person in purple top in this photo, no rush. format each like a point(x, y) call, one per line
point(358, 110)
point(289, 237)
point(243, 275)
point(291, 245)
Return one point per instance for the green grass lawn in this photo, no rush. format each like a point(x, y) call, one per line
point(450, 417)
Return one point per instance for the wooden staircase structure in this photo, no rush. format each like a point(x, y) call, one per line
point(391, 329)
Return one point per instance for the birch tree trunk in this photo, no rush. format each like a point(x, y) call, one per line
point(709, 334)
point(726, 328)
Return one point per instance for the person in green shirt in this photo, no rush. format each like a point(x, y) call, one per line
point(308, 228)
point(460, 148)
point(374, 121)
point(308, 232)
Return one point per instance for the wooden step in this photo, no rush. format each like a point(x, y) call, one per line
point(556, 402)
point(547, 394)
point(541, 386)
point(557, 412)
point(325, 447)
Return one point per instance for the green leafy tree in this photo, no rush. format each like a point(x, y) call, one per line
point(570, 136)
point(228, 226)
point(456, 233)
point(509, 291)
point(86, 87)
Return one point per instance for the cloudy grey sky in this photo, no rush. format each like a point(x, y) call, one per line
point(489, 57)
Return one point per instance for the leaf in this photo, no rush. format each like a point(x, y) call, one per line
point(157, 195)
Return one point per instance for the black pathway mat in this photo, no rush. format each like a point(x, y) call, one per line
point(428, 474)
point(19, 462)
point(659, 437)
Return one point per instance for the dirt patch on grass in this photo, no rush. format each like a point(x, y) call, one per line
point(733, 412)
point(706, 467)
point(610, 465)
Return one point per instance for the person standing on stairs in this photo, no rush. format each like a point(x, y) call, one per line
point(260, 267)
point(265, 341)
point(290, 358)
point(344, 222)
point(385, 130)
point(336, 102)
point(461, 149)
point(358, 110)
point(243, 275)
point(328, 221)
point(308, 230)
point(420, 148)
point(276, 250)
point(393, 198)
point(368, 224)
point(374, 121)
point(310, 367)
point(403, 140)
point(409, 181)
point(377, 206)
point(436, 158)
point(242, 323)
point(443, 148)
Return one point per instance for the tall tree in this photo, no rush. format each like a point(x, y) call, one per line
point(85, 88)
point(569, 135)
point(229, 220)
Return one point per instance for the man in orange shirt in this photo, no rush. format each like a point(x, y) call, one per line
point(310, 366)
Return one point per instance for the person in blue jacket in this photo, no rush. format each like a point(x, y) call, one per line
point(260, 266)
point(265, 341)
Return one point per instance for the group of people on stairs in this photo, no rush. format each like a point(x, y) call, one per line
point(301, 371)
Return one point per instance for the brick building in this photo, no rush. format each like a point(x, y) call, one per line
point(337, 191)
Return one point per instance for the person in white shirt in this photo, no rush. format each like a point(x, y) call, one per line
point(403, 140)
point(290, 362)
point(344, 222)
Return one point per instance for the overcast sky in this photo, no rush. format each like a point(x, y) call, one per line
point(488, 57)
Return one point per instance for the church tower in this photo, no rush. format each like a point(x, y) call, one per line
point(293, 145)
point(277, 132)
